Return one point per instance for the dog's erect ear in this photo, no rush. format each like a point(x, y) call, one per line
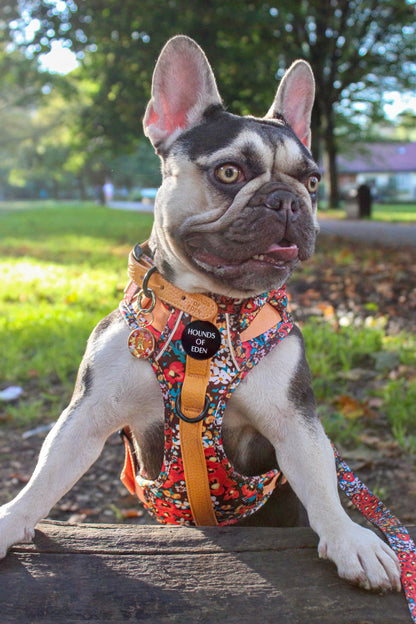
point(183, 88)
point(294, 100)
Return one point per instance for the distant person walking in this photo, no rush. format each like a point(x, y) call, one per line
point(108, 190)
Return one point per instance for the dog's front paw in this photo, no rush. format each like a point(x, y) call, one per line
point(362, 558)
point(12, 530)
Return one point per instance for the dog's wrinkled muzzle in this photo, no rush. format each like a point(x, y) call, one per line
point(279, 198)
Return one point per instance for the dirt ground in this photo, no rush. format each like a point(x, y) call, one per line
point(389, 277)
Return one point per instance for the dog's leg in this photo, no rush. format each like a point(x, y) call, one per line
point(360, 556)
point(109, 388)
point(71, 447)
point(284, 412)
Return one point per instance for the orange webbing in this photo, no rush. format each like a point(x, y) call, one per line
point(194, 464)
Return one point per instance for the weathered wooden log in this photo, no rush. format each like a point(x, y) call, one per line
point(155, 574)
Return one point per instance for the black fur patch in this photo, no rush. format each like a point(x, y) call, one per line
point(300, 390)
point(106, 322)
point(221, 128)
point(168, 272)
point(83, 387)
point(87, 379)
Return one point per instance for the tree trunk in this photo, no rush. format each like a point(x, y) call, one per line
point(316, 147)
point(55, 189)
point(81, 187)
point(331, 154)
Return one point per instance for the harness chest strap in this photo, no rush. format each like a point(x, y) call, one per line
point(197, 375)
point(193, 395)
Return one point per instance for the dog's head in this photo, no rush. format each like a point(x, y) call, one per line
point(237, 207)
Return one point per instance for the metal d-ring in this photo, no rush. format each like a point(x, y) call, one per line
point(148, 292)
point(150, 307)
point(186, 418)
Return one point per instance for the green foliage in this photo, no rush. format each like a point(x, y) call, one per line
point(357, 49)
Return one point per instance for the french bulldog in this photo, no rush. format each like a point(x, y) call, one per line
point(236, 212)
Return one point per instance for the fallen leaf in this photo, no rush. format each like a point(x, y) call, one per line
point(20, 477)
point(328, 311)
point(131, 513)
point(351, 408)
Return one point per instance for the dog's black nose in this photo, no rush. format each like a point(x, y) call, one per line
point(283, 201)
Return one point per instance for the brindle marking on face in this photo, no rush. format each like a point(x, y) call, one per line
point(222, 128)
point(168, 272)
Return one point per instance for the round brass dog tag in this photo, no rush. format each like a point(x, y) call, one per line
point(141, 343)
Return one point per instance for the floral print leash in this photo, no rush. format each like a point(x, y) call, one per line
point(377, 513)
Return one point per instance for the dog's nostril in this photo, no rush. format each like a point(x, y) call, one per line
point(282, 201)
point(294, 206)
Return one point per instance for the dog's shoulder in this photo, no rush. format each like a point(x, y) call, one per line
point(280, 382)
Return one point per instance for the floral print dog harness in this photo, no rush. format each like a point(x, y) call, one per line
point(234, 496)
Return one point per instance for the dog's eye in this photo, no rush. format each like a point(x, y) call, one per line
point(228, 173)
point(312, 184)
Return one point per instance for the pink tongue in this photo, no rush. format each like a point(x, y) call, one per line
point(282, 253)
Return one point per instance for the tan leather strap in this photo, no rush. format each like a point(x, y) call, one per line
point(197, 305)
point(267, 318)
point(194, 464)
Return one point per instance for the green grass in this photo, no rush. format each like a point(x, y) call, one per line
point(393, 213)
point(63, 268)
point(355, 366)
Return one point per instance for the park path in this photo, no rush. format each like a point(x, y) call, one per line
point(385, 234)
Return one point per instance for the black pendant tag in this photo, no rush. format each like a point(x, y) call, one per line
point(201, 340)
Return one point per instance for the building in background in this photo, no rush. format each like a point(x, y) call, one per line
point(388, 168)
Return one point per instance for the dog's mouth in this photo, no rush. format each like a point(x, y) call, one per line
point(279, 256)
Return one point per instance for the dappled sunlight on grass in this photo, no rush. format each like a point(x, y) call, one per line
point(32, 282)
point(67, 249)
point(75, 234)
point(63, 268)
